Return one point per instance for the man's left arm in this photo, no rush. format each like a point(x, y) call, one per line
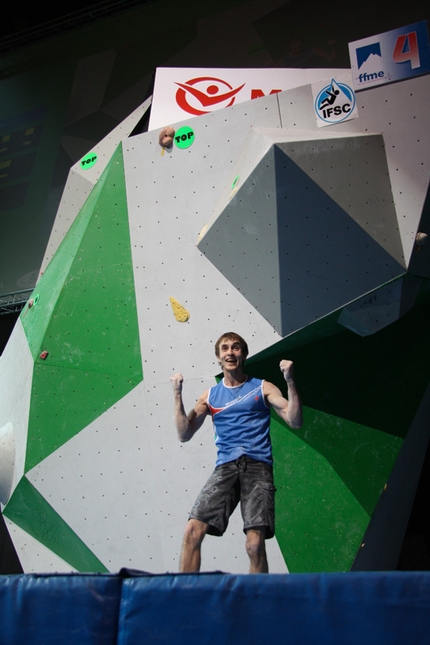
point(290, 408)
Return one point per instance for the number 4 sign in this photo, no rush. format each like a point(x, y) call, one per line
point(406, 50)
point(392, 56)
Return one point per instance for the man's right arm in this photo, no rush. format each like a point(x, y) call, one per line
point(187, 425)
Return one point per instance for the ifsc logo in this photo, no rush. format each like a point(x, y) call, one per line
point(204, 94)
point(335, 102)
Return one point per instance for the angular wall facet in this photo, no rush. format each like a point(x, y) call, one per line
point(297, 241)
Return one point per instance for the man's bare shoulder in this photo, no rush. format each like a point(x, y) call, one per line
point(270, 388)
point(204, 397)
point(202, 402)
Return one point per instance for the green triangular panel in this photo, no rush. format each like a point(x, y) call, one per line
point(329, 476)
point(30, 511)
point(51, 283)
point(63, 402)
point(361, 396)
point(85, 319)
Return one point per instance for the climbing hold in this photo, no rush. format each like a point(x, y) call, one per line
point(420, 240)
point(30, 303)
point(44, 355)
point(165, 138)
point(235, 186)
point(180, 313)
point(202, 232)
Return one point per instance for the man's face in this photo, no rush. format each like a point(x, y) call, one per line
point(230, 354)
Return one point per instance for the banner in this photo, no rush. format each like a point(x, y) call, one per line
point(182, 93)
point(392, 56)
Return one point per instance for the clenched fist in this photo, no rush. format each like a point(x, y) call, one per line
point(176, 381)
point(286, 368)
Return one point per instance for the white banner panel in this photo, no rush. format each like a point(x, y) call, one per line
point(182, 93)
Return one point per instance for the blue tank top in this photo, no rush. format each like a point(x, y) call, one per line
point(241, 421)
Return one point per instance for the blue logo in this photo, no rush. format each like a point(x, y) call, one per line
point(363, 53)
point(335, 102)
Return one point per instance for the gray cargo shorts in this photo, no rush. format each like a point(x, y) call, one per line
point(244, 480)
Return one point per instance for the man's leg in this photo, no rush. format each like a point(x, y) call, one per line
point(195, 531)
point(256, 550)
point(258, 511)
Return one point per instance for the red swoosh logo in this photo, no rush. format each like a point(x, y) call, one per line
point(204, 99)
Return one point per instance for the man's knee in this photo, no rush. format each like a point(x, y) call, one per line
point(255, 543)
point(194, 532)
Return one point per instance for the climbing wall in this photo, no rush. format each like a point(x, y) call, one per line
point(300, 239)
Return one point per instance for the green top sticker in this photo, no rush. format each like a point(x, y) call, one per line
point(89, 160)
point(184, 137)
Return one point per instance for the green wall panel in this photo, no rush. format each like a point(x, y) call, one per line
point(362, 457)
point(329, 476)
point(36, 320)
point(85, 318)
point(30, 511)
point(360, 397)
point(63, 402)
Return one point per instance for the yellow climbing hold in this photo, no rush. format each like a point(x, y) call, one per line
point(202, 232)
point(180, 313)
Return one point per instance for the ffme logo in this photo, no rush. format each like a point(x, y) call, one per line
point(392, 56)
point(369, 53)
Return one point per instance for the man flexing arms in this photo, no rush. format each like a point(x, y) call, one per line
point(240, 410)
